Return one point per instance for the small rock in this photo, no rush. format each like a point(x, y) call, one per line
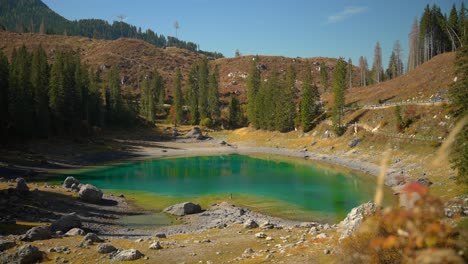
point(129, 254)
point(75, 232)
point(313, 230)
point(93, 238)
point(139, 240)
point(160, 235)
point(105, 248)
point(354, 142)
point(260, 235)
point(321, 236)
point(5, 244)
point(183, 209)
point(250, 224)
point(69, 181)
point(248, 251)
point(307, 224)
point(89, 193)
point(268, 238)
point(155, 245)
point(21, 185)
point(37, 233)
point(66, 222)
point(267, 225)
point(424, 181)
point(448, 212)
point(28, 254)
point(327, 252)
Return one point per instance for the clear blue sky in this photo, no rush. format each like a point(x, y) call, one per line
point(305, 28)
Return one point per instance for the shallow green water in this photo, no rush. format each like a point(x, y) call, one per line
point(295, 190)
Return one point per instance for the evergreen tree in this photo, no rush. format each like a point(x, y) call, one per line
point(458, 93)
point(324, 76)
point(263, 105)
point(203, 74)
point(234, 112)
point(40, 86)
point(114, 104)
point(271, 101)
point(4, 84)
point(94, 112)
point(253, 87)
point(147, 100)
point(192, 95)
point(213, 96)
point(310, 96)
point(178, 97)
point(453, 27)
point(285, 106)
point(21, 93)
point(463, 23)
point(338, 86)
point(350, 73)
point(56, 93)
point(158, 92)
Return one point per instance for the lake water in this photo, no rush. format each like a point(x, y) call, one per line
point(292, 189)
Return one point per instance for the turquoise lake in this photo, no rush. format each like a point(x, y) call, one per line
point(288, 188)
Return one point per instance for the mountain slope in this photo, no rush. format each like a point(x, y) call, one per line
point(28, 15)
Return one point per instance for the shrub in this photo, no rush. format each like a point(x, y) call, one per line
point(206, 122)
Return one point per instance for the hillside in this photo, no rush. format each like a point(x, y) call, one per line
point(428, 80)
point(134, 58)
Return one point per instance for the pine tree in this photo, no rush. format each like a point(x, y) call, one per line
point(463, 24)
point(453, 27)
point(21, 93)
point(42, 29)
point(94, 103)
point(263, 105)
point(458, 93)
point(147, 100)
point(253, 87)
point(350, 73)
point(285, 107)
point(213, 96)
point(310, 96)
point(234, 112)
point(271, 101)
point(56, 93)
point(178, 97)
point(114, 104)
point(192, 95)
point(40, 85)
point(4, 84)
point(158, 92)
point(339, 85)
point(203, 74)
point(324, 76)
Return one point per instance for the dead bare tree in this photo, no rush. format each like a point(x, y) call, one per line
point(176, 26)
point(121, 17)
point(364, 68)
point(377, 66)
point(413, 55)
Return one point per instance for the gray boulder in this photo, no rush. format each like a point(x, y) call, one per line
point(28, 254)
point(250, 224)
point(66, 223)
point(106, 248)
point(89, 193)
point(69, 181)
point(183, 209)
point(37, 233)
point(93, 238)
point(156, 245)
point(424, 181)
point(196, 133)
point(5, 244)
point(354, 142)
point(21, 185)
point(75, 232)
point(129, 254)
point(354, 219)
